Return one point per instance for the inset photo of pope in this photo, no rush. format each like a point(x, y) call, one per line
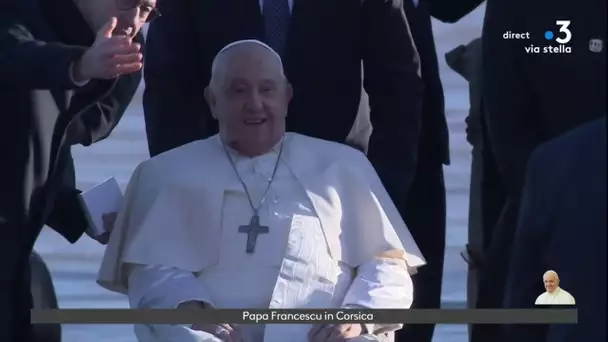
point(554, 295)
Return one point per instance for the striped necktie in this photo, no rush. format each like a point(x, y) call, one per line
point(276, 23)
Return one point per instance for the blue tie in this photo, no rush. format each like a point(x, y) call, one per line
point(276, 23)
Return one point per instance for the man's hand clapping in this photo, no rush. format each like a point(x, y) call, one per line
point(109, 57)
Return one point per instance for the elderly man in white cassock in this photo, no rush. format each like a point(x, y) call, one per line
point(259, 218)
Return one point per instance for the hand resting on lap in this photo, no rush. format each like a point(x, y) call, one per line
point(334, 332)
point(224, 332)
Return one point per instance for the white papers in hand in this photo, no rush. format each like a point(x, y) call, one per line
point(103, 198)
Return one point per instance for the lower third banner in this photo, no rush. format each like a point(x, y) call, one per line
point(289, 316)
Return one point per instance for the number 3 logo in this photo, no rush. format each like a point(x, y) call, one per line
point(563, 27)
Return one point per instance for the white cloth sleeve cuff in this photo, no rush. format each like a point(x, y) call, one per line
point(162, 287)
point(381, 284)
point(369, 327)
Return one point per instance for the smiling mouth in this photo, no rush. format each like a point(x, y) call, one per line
point(254, 122)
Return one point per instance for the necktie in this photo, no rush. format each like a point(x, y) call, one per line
point(276, 23)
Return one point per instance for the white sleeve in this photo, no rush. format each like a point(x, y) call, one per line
point(162, 287)
point(381, 284)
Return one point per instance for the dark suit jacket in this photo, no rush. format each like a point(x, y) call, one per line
point(450, 11)
point(42, 114)
point(530, 99)
point(435, 146)
point(326, 43)
point(562, 227)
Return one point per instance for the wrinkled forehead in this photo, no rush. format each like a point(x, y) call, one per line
point(250, 62)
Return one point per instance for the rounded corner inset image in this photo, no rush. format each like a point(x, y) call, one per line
point(554, 294)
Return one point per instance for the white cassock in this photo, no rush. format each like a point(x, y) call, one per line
point(558, 297)
point(335, 238)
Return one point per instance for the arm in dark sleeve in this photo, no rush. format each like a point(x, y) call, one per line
point(30, 63)
point(393, 82)
point(506, 94)
point(450, 11)
point(67, 217)
point(102, 103)
point(174, 109)
point(524, 283)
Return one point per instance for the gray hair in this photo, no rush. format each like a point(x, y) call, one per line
point(215, 66)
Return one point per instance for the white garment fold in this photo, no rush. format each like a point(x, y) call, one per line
point(335, 239)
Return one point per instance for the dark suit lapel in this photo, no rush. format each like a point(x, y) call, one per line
point(298, 6)
point(299, 28)
point(297, 12)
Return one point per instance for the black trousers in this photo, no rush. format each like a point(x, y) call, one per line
point(23, 329)
point(499, 220)
point(34, 276)
point(16, 299)
point(12, 279)
point(16, 303)
point(424, 212)
point(33, 287)
point(494, 274)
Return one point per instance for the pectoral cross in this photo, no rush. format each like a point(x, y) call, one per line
point(253, 229)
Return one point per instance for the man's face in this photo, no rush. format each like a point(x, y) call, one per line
point(131, 14)
point(551, 283)
point(250, 98)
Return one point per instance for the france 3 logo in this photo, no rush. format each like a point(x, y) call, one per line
point(562, 38)
point(564, 28)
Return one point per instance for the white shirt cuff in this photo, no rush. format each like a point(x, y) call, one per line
point(163, 287)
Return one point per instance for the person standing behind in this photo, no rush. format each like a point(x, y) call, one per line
point(322, 44)
point(532, 98)
point(424, 206)
point(60, 85)
point(562, 226)
point(450, 11)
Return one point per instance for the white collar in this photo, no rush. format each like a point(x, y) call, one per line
point(274, 150)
